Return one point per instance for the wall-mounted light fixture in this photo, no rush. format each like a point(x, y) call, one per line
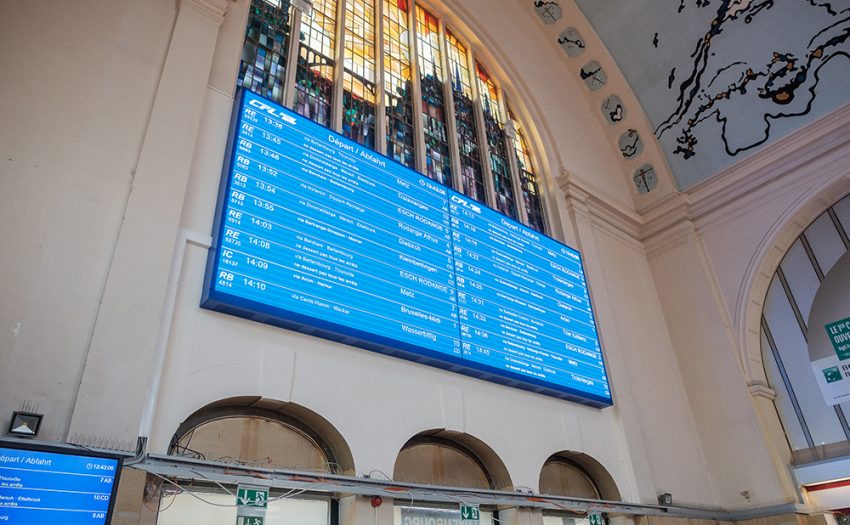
point(25, 424)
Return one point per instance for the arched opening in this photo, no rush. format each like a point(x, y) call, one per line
point(263, 433)
point(815, 429)
point(577, 475)
point(566, 478)
point(804, 306)
point(254, 433)
point(450, 459)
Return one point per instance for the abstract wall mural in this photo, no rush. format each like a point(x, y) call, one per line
point(548, 10)
point(718, 79)
point(613, 109)
point(593, 75)
point(571, 42)
point(630, 144)
point(645, 178)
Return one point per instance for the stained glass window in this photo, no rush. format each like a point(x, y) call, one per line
point(398, 83)
point(314, 75)
point(528, 183)
point(438, 164)
point(472, 178)
point(494, 128)
point(358, 77)
point(348, 92)
point(263, 66)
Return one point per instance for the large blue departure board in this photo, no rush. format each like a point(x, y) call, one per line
point(41, 485)
point(318, 234)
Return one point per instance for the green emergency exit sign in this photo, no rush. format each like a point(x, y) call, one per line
point(469, 513)
point(252, 497)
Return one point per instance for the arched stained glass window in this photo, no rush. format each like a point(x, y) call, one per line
point(314, 77)
point(494, 128)
point(437, 156)
point(264, 55)
point(472, 177)
point(359, 87)
point(398, 83)
point(528, 182)
point(363, 79)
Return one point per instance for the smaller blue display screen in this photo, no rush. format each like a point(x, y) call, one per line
point(41, 487)
point(317, 234)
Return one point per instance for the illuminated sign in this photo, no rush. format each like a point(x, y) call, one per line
point(52, 485)
point(318, 234)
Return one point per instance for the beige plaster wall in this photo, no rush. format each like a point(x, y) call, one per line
point(78, 83)
point(712, 264)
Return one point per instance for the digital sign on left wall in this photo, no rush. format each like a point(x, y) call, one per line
point(40, 484)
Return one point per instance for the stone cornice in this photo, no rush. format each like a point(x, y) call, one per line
point(821, 148)
point(761, 389)
point(601, 210)
point(212, 10)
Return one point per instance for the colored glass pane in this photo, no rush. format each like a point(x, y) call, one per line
point(266, 47)
point(358, 79)
point(528, 183)
point(438, 164)
point(472, 177)
point(315, 70)
point(398, 83)
point(494, 127)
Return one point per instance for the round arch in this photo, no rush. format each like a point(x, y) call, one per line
point(449, 458)
point(763, 266)
point(570, 473)
point(250, 429)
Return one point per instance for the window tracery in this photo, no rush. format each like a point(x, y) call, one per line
point(398, 83)
point(314, 76)
point(393, 52)
point(359, 87)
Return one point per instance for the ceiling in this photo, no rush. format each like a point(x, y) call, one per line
point(720, 79)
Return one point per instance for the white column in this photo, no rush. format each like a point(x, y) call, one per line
point(120, 364)
point(621, 520)
point(358, 510)
point(516, 516)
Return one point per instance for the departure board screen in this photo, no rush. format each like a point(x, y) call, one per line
point(318, 234)
point(51, 486)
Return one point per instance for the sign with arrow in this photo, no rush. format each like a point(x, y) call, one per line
point(248, 496)
point(595, 518)
point(251, 503)
point(469, 513)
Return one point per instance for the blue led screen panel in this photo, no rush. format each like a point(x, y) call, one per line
point(523, 304)
point(315, 233)
point(52, 485)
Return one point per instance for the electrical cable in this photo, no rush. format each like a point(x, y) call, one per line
point(183, 490)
